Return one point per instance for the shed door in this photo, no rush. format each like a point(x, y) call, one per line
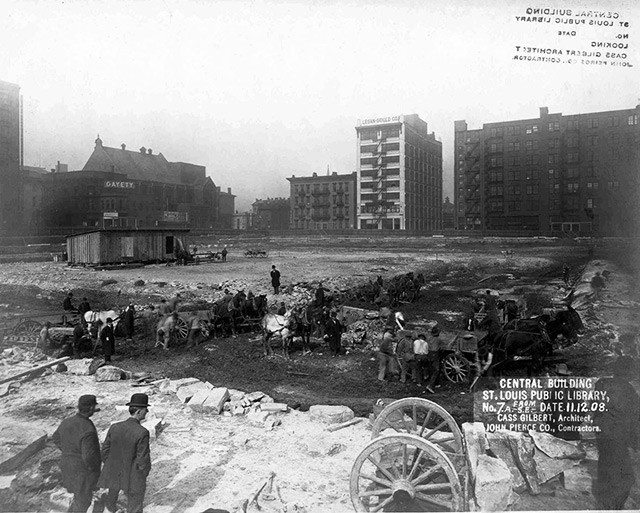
point(127, 247)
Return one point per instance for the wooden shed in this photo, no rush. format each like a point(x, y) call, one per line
point(116, 246)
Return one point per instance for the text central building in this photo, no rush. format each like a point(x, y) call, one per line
point(399, 175)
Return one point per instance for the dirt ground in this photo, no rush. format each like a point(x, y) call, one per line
point(240, 454)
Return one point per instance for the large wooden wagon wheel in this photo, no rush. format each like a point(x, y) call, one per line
point(27, 327)
point(204, 328)
point(456, 368)
point(403, 472)
point(182, 329)
point(426, 419)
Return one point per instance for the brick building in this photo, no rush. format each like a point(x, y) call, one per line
point(10, 158)
point(271, 214)
point(399, 175)
point(122, 188)
point(323, 202)
point(573, 173)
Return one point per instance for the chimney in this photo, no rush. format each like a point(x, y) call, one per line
point(143, 150)
point(149, 151)
point(123, 146)
point(544, 111)
point(228, 190)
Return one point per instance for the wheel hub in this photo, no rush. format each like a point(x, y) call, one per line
point(403, 490)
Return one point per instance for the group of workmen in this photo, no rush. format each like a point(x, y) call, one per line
point(121, 464)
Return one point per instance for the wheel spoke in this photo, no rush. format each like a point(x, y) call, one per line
point(415, 416)
point(381, 469)
point(437, 428)
point(426, 421)
point(441, 505)
point(404, 460)
point(384, 503)
point(434, 488)
point(404, 422)
point(375, 479)
point(416, 462)
point(427, 475)
point(375, 493)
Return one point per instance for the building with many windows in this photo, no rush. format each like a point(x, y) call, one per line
point(399, 175)
point(131, 189)
point(10, 158)
point(323, 202)
point(574, 173)
point(270, 214)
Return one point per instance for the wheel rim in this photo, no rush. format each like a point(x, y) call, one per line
point(182, 329)
point(403, 472)
point(27, 327)
point(427, 420)
point(204, 328)
point(456, 368)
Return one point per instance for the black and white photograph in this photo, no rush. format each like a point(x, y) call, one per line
point(305, 256)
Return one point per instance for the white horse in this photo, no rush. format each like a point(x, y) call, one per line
point(101, 315)
point(276, 325)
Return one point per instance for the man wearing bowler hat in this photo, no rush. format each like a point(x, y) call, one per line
point(77, 438)
point(126, 457)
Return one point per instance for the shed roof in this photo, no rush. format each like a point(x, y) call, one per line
point(131, 230)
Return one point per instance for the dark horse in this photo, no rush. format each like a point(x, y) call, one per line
point(515, 345)
point(565, 322)
point(305, 321)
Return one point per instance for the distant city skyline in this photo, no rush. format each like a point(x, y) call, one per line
point(260, 91)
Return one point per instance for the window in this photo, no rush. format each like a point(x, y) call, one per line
point(514, 190)
point(592, 140)
point(513, 174)
point(513, 161)
point(572, 173)
point(531, 145)
point(572, 124)
point(496, 190)
point(572, 157)
point(614, 121)
point(590, 203)
point(613, 185)
point(513, 146)
point(552, 173)
point(572, 187)
point(633, 120)
point(531, 159)
point(531, 129)
point(592, 122)
point(496, 132)
point(532, 174)
point(496, 206)
point(572, 141)
point(514, 206)
point(554, 188)
point(592, 185)
point(496, 147)
point(554, 158)
point(495, 161)
point(532, 189)
point(554, 126)
point(554, 143)
point(495, 176)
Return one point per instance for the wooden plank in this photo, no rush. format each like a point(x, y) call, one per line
point(35, 369)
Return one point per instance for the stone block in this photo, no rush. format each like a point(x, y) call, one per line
point(109, 373)
point(548, 468)
point(475, 438)
point(79, 367)
point(493, 484)
point(331, 414)
point(175, 384)
point(578, 479)
point(523, 450)
point(215, 400)
point(273, 407)
point(152, 425)
point(18, 442)
point(255, 396)
point(186, 392)
point(60, 499)
point(499, 445)
point(199, 397)
point(555, 447)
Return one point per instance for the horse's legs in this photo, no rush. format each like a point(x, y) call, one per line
point(268, 351)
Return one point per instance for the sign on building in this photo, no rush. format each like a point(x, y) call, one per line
point(109, 215)
point(175, 217)
point(113, 184)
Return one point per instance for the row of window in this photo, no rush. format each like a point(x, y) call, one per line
point(344, 187)
point(554, 126)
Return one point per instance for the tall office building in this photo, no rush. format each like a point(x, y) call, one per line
point(10, 158)
point(573, 173)
point(399, 175)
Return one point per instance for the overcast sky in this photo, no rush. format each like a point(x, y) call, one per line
point(259, 91)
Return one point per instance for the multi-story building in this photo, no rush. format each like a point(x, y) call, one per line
point(271, 214)
point(122, 188)
point(399, 175)
point(323, 202)
point(574, 173)
point(448, 213)
point(10, 158)
point(226, 208)
point(242, 221)
point(33, 195)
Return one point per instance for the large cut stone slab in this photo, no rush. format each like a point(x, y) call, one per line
point(475, 438)
point(79, 367)
point(500, 446)
point(186, 392)
point(330, 414)
point(493, 484)
point(523, 450)
point(110, 373)
point(556, 447)
point(175, 384)
point(548, 468)
point(215, 400)
point(18, 442)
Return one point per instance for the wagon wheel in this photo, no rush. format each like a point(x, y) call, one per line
point(403, 472)
point(427, 420)
point(456, 368)
point(204, 328)
point(182, 329)
point(27, 327)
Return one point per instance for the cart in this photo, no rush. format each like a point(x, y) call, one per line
point(415, 461)
point(28, 327)
point(459, 354)
point(256, 253)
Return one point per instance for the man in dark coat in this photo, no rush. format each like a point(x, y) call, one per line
point(619, 427)
point(126, 457)
point(79, 332)
point(77, 438)
point(108, 340)
point(84, 307)
point(333, 332)
point(67, 304)
point(275, 279)
point(128, 320)
point(224, 254)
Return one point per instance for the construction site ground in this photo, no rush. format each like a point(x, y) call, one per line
point(205, 461)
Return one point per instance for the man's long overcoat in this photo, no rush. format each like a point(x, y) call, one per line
point(126, 457)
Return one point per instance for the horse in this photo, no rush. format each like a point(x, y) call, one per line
point(511, 345)
point(255, 306)
point(93, 316)
point(221, 318)
point(276, 325)
point(306, 320)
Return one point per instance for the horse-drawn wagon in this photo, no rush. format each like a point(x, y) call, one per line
point(27, 327)
point(256, 253)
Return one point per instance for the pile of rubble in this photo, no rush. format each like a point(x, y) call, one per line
point(504, 464)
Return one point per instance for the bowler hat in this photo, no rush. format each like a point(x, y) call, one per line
point(140, 400)
point(435, 330)
point(86, 401)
